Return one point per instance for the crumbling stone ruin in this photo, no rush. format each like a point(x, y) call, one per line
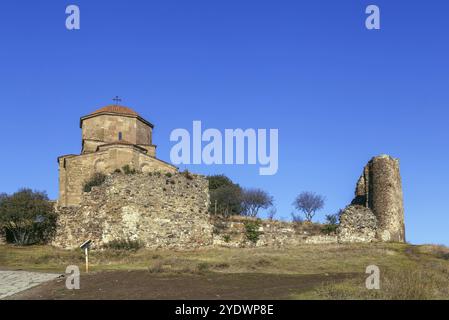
point(357, 224)
point(378, 195)
point(159, 210)
point(156, 205)
point(170, 210)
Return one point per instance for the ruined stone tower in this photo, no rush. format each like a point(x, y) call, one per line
point(380, 189)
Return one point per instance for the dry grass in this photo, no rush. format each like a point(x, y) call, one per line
point(306, 259)
point(425, 277)
point(408, 272)
point(421, 284)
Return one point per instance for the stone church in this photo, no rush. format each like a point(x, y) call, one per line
point(112, 137)
point(160, 207)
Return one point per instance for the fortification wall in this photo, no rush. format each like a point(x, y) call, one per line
point(75, 171)
point(380, 189)
point(170, 210)
point(158, 209)
point(249, 232)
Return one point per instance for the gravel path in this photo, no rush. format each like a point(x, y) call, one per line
point(12, 282)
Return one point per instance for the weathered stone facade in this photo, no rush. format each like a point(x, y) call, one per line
point(162, 208)
point(380, 189)
point(112, 137)
point(156, 209)
point(357, 224)
point(231, 232)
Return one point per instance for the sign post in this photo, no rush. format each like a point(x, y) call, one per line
point(86, 246)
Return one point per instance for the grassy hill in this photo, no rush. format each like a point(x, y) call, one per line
point(303, 272)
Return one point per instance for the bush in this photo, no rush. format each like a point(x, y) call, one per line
point(225, 196)
point(124, 244)
point(168, 175)
point(128, 170)
point(329, 228)
point(252, 232)
point(332, 221)
point(187, 175)
point(227, 238)
point(96, 180)
point(27, 217)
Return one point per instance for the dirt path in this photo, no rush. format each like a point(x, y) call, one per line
point(145, 285)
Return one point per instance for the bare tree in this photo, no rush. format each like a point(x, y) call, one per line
point(253, 200)
point(309, 203)
point(296, 218)
point(271, 213)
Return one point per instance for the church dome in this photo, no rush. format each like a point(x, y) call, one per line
point(116, 109)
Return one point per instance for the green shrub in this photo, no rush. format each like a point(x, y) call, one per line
point(128, 170)
point(96, 180)
point(27, 217)
point(124, 244)
point(225, 196)
point(227, 238)
point(332, 221)
point(168, 175)
point(252, 230)
point(329, 228)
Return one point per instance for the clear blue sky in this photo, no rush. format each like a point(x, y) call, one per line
point(338, 93)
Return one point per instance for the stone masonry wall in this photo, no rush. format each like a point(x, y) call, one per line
point(357, 224)
point(380, 189)
point(170, 210)
point(158, 209)
point(105, 128)
point(231, 232)
point(74, 171)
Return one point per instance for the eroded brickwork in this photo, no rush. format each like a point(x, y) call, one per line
point(380, 189)
point(157, 209)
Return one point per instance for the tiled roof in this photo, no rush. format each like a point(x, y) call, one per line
point(116, 109)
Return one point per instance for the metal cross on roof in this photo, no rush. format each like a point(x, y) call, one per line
point(117, 100)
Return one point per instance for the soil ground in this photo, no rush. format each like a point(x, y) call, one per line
point(331, 271)
point(145, 285)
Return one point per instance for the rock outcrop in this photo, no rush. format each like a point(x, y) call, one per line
point(380, 189)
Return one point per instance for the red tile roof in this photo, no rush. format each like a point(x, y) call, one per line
point(116, 109)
